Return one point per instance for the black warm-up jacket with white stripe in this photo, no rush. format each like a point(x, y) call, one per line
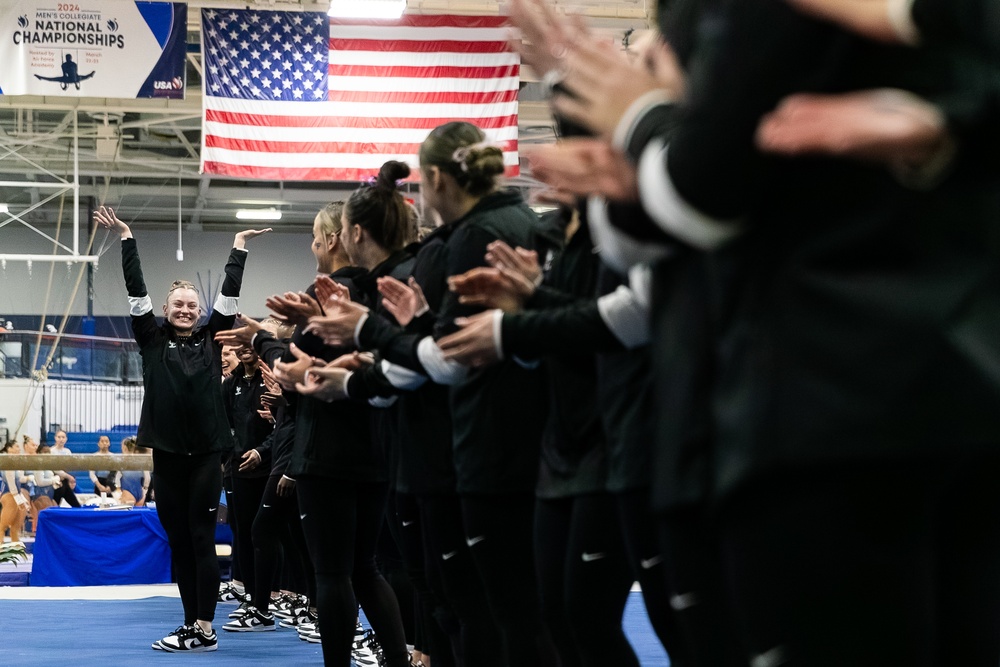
point(182, 409)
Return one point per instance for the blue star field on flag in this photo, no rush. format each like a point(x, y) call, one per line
point(265, 55)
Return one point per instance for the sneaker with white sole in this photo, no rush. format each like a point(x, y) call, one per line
point(230, 592)
point(290, 606)
point(366, 651)
point(189, 639)
point(296, 621)
point(156, 645)
point(252, 621)
point(241, 611)
point(311, 637)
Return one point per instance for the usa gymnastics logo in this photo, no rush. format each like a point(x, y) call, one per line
point(174, 84)
point(170, 88)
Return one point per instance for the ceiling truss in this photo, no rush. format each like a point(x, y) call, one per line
point(143, 155)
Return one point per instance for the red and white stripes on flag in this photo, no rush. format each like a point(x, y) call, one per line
point(269, 113)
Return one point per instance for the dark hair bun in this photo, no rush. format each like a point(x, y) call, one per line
point(391, 171)
point(483, 164)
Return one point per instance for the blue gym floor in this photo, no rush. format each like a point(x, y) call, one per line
point(46, 632)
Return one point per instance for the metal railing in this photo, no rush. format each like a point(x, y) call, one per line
point(91, 407)
point(80, 358)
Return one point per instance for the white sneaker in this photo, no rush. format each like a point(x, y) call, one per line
point(252, 621)
point(189, 639)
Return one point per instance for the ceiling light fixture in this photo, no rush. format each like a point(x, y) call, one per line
point(258, 214)
point(367, 9)
point(4, 208)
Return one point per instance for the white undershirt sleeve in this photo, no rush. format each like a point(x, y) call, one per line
point(671, 212)
point(440, 370)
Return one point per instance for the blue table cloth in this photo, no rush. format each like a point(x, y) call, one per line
point(91, 547)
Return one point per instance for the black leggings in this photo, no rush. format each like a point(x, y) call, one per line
point(187, 492)
point(498, 530)
point(649, 565)
point(584, 580)
point(246, 499)
point(436, 628)
point(341, 521)
point(449, 564)
point(276, 528)
point(874, 564)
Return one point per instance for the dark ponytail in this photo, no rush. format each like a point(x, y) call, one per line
point(379, 208)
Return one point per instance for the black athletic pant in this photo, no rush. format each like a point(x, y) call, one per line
point(498, 530)
point(246, 497)
point(460, 584)
point(390, 563)
point(697, 593)
point(584, 580)
point(275, 529)
point(868, 565)
point(342, 520)
point(649, 563)
point(435, 622)
point(64, 492)
point(187, 492)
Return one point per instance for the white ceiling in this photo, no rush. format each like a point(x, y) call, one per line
point(153, 172)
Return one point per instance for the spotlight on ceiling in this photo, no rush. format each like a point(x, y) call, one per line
point(367, 9)
point(258, 214)
point(4, 208)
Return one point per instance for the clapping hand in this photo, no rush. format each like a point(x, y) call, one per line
point(240, 335)
point(327, 289)
point(337, 327)
point(584, 167)
point(892, 127)
point(329, 383)
point(542, 35)
point(522, 262)
point(869, 18)
point(404, 302)
point(289, 373)
point(473, 344)
point(601, 83)
point(293, 307)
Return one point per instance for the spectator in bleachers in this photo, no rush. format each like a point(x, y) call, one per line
point(133, 483)
point(104, 480)
point(43, 488)
point(67, 482)
point(46, 481)
point(13, 506)
point(60, 445)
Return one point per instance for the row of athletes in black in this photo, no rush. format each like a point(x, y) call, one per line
point(463, 471)
point(484, 462)
point(738, 485)
point(823, 326)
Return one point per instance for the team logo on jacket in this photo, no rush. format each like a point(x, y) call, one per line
point(239, 390)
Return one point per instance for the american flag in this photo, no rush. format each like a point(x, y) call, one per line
point(302, 96)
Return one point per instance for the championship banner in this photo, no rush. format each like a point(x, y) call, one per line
point(95, 48)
